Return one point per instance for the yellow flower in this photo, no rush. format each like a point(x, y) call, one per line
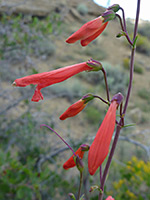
point(134, 159)
point(119, 184)
point(131, 195)
point(140, 164)
point(146, 169)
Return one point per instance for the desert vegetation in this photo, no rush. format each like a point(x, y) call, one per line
point(31, 158)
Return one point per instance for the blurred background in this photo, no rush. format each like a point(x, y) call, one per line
point(32, 40)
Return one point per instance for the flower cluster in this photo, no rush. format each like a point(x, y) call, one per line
point(100, 146)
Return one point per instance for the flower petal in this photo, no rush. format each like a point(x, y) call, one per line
point(48, 78)
point(86, 41)
point(86, 30)
point(73, 110)
point(100, 146)
point(110, 198)
point(70, 162)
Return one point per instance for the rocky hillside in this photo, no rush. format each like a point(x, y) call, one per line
point(112, 52)
point(32, 40)
point(42, 8)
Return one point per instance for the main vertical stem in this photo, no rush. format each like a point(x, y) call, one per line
point(125, 106)
point(79, 191)
point(132, 57)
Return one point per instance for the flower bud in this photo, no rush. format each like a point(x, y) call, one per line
point(108, 15)
point(121, 34)
point(87, 98)
point(14, 84)
point(71, 195)
point(96, 65)
point(79, 163)
point(118, 98)
point(94, 187)
point(114, 7)
point(85, 147)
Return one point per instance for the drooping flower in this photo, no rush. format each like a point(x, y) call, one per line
point(52, 77)
point(100, 146)
point(77, 107)
point(70, 163)
point(89, 31)
point(110, 198)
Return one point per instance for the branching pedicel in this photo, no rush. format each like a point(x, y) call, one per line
point(99, 149)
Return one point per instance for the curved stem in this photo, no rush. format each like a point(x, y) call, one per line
point(124, 19)
point(124, 30)
point(120, 22)
point(98, 97)
point(59, 137)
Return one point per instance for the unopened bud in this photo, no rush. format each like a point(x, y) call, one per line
point(14, 84)
point(79, 163)
point(87, 98)
point(71, 195)
point(96, 65)
point(85, 147)
point(114, 7)
point(118, 98)
point(120, 34)
point(93, 188)
point(108, 15)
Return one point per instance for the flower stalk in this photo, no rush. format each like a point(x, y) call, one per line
point(60, 138)
point(99, 149)
point(118, 129)
point(80, 184)
point(106, 84)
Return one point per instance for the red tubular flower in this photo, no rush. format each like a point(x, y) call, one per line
point(77, 107)
point(110, 198)
point(89, 31)
point(48, 78)
point(86, 41)
point(70, 162)
point(73, 110)
point(100, 146)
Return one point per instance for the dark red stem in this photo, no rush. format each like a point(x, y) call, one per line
point(125, 106)
point(106, 84)
point(60, 138)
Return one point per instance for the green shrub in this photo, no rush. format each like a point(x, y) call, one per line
point(94, 115)
point(143, 45)
point(95, 53)
point(82, 9)
point(137, 67)
point(130, 26)
point(24, 35)
point(126, 63)
point(144, 29)
point(144, 94)
point(43, 47)
point(23, 182)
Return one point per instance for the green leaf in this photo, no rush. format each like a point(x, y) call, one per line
point(24, 193)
